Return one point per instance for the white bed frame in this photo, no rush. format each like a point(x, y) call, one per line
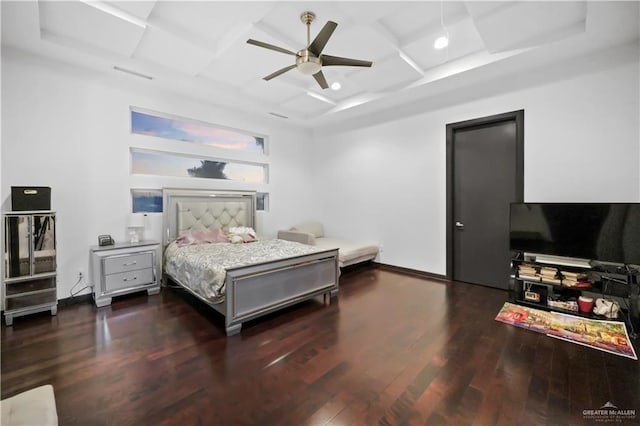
point(253, 290)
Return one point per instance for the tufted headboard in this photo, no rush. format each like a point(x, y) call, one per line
point(190, 209)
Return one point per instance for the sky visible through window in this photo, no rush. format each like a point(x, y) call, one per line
point(146, 200)
point(161, 164)
point(195, 132)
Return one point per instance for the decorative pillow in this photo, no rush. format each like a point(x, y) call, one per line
point(202, 237)
point(313, 228)
point(242, 234)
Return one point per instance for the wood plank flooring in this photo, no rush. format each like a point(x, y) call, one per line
point(392, 349)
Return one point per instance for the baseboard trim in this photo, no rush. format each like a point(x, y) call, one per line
point(83, 298)
point(368, 264)
point(412, 272)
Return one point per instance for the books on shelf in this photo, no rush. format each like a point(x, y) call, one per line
point(528, 272)
point(546, 271)
point(573, 275)
point(529, 277)
point(575, 279)
point(549, 275)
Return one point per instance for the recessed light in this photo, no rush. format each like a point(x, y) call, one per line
point(441, 42)
point(336, 85)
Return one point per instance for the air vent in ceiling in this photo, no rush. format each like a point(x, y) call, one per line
point(137, 74)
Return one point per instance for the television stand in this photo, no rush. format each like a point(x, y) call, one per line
point(555, 284)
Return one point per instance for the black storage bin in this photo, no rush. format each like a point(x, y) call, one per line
point(24, 198)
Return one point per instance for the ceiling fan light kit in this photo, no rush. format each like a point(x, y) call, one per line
point(310, 60)
point(307, 64)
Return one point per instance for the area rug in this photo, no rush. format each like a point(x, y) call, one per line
point(607, 336)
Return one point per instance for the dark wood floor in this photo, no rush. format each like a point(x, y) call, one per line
point(393, 349)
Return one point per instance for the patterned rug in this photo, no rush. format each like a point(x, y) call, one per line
point(607, 336)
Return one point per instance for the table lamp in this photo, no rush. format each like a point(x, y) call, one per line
point(136, 227)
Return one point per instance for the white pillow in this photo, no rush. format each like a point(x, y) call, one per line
point(313, 228)
point(242, 234)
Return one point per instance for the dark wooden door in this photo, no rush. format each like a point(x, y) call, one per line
point(485, 173)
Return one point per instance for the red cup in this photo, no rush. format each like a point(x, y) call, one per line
point(585, 304)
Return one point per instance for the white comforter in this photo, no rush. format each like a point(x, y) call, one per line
point(202, 267)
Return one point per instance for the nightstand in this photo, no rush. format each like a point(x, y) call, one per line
point(124, 268)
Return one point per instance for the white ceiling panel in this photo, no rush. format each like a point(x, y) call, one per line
point(390, 73)
point(369, 12)
point(172, 52)
point(304, 105)
point(348, 88)
point(284, 21)
point(274, 91)
point(198, 48)
point(242, 62)
point(527, 24)
point(90, 26)
point(480, 9)
point(463, 40)
point(409, 22)
point(139, 9)
point(207, 21)
point(20, 24)
point(359, 42)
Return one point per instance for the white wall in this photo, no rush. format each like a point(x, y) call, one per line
point(70, 130)
point(65, 128)
point(387, 182)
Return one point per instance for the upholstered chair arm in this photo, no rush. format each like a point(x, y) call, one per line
point(297, 236)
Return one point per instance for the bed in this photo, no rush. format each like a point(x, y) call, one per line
point(254, 278)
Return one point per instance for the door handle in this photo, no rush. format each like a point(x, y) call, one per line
point(459, 225)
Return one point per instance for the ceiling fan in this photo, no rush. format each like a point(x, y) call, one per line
point(310, 60)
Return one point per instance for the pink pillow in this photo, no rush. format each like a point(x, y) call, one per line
point(202, 237)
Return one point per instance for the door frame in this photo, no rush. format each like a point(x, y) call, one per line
point(518, 117)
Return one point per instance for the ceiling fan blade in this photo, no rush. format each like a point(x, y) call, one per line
point(319, 76)
point(322, 38)
point(270, 46)
point(328, 60)
point(279, 72)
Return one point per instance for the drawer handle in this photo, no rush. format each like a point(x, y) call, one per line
point(129, 279)
point(129, 264)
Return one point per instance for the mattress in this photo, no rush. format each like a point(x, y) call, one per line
point(203, 267)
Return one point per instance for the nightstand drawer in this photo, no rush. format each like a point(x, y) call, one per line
point(127, 262)
point(129, 279)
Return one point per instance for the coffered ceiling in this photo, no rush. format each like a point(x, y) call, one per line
point(199, 48)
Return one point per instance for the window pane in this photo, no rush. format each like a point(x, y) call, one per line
point(161, 164)
point(146, 200)
point(186, 130)
point(262, 201)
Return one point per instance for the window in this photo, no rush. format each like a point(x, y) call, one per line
point(262, 201)
point(165, 164)
point(183, 129)
point(146, 201)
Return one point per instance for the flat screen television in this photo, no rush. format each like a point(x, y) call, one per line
point(606, 232)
